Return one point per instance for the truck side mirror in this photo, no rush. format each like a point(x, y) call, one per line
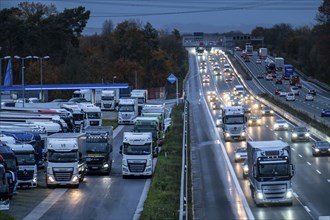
point(80, 155)
point(120, 149)
point(292, 169)
point(254, 171)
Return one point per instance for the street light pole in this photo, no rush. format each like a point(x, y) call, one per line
point(113, 79)
point(4, 58)
point(41, 79)
point(23, 82)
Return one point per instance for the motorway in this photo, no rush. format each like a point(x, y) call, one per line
point(311, 183)
point(312, 108)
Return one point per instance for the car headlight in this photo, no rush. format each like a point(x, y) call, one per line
point(289, 194)
point(307, 135)
point(246, 169)
point(105, 165)
point(294, 135)
point(317, 150)
point(286, 125)
point(227, 134)
point(276, 126)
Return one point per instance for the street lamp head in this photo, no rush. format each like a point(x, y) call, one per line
point(7, 57)
point(28, 57)
point(17, 57)
point(35, 57)
point(46, 57)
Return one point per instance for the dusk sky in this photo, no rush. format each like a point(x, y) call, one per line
point(193, 15)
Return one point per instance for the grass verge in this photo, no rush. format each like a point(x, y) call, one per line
point(107, 122)
point(163, 201)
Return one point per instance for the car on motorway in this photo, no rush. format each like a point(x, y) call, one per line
point(229, 78)
point(300, 133)
point(258, 61)
point(236, 101)
point(320, 148)
point(281, 125)
point(226, 68)
point(216, 106)
point(311, 91)
point(309, 97)
point(277, 91)
point(246, 108)
point(325, 113)
point(269, 76)
point(267, 111)
point(290, 96)
point(246, 59)
point(278, 81)
point(260, 76)
point(240, 154)
point(282, 93)
point(206, 81)
point(245, 169)
point(295, 90)
point(237, 49)
point(268, 60)
point(257, 105)
point(254, 120)
point(218, 121)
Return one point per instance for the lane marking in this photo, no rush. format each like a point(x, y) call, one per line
point(307, 209)
point(318, 171)
point(309, 163)
point(329, 180)
point(300, 155)
point(45, 205)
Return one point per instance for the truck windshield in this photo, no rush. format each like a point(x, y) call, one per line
point(141, 128)
point(107, 98)
point(61, 157)
point(97, 147)
point(141, 100)
point(274, 170)
point(78, 117)
point(234, 120)
point(25, 158)
point(94, 115)
point(137, 149)
point(126, 108)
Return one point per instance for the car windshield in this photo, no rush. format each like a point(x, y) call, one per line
point(322, 144)
point(280, 121)
point(241, 150)
point(300, 129)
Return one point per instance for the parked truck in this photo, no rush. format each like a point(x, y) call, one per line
point(9, 161)
point(98, 151)
point(270, 172)
point(288, 71)
point(279, 65)
point(263, 53)
point(78, 116)
point(233, 123)
point(159, 112)
point(150, 124)
point(92, 114)
point(127, 110)
point(142, 96)
point(137, 154)
point(109, 99)
point(27, 164)
point(64, 159)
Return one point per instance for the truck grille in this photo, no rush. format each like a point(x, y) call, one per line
point(274, 191)
point(25, 174)
point(136, 167)
point(63, 176)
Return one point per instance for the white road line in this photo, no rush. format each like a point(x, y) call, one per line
point(45, 205)
point(300, 155)
point(295, 195)
point(307, 209)
point(309, 163)
point(318, 171)
point(293, 149)
point(329, 180)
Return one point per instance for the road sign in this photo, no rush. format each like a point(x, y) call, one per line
point(171, 78)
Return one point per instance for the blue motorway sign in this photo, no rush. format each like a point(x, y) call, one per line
point(171, 78)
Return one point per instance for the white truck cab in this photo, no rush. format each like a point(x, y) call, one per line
point(137, 154)
point(127, 111)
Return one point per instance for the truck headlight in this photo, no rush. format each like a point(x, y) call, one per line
point(51, 179)
point(105, 165)
point(74, 178)
point(243, 133)
point(34, 180)
point(149, 162)
point(289, 194)
point(124, 162)
point(259, 195)
point(286, 125)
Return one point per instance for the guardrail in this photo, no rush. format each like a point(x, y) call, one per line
point(184, 170)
